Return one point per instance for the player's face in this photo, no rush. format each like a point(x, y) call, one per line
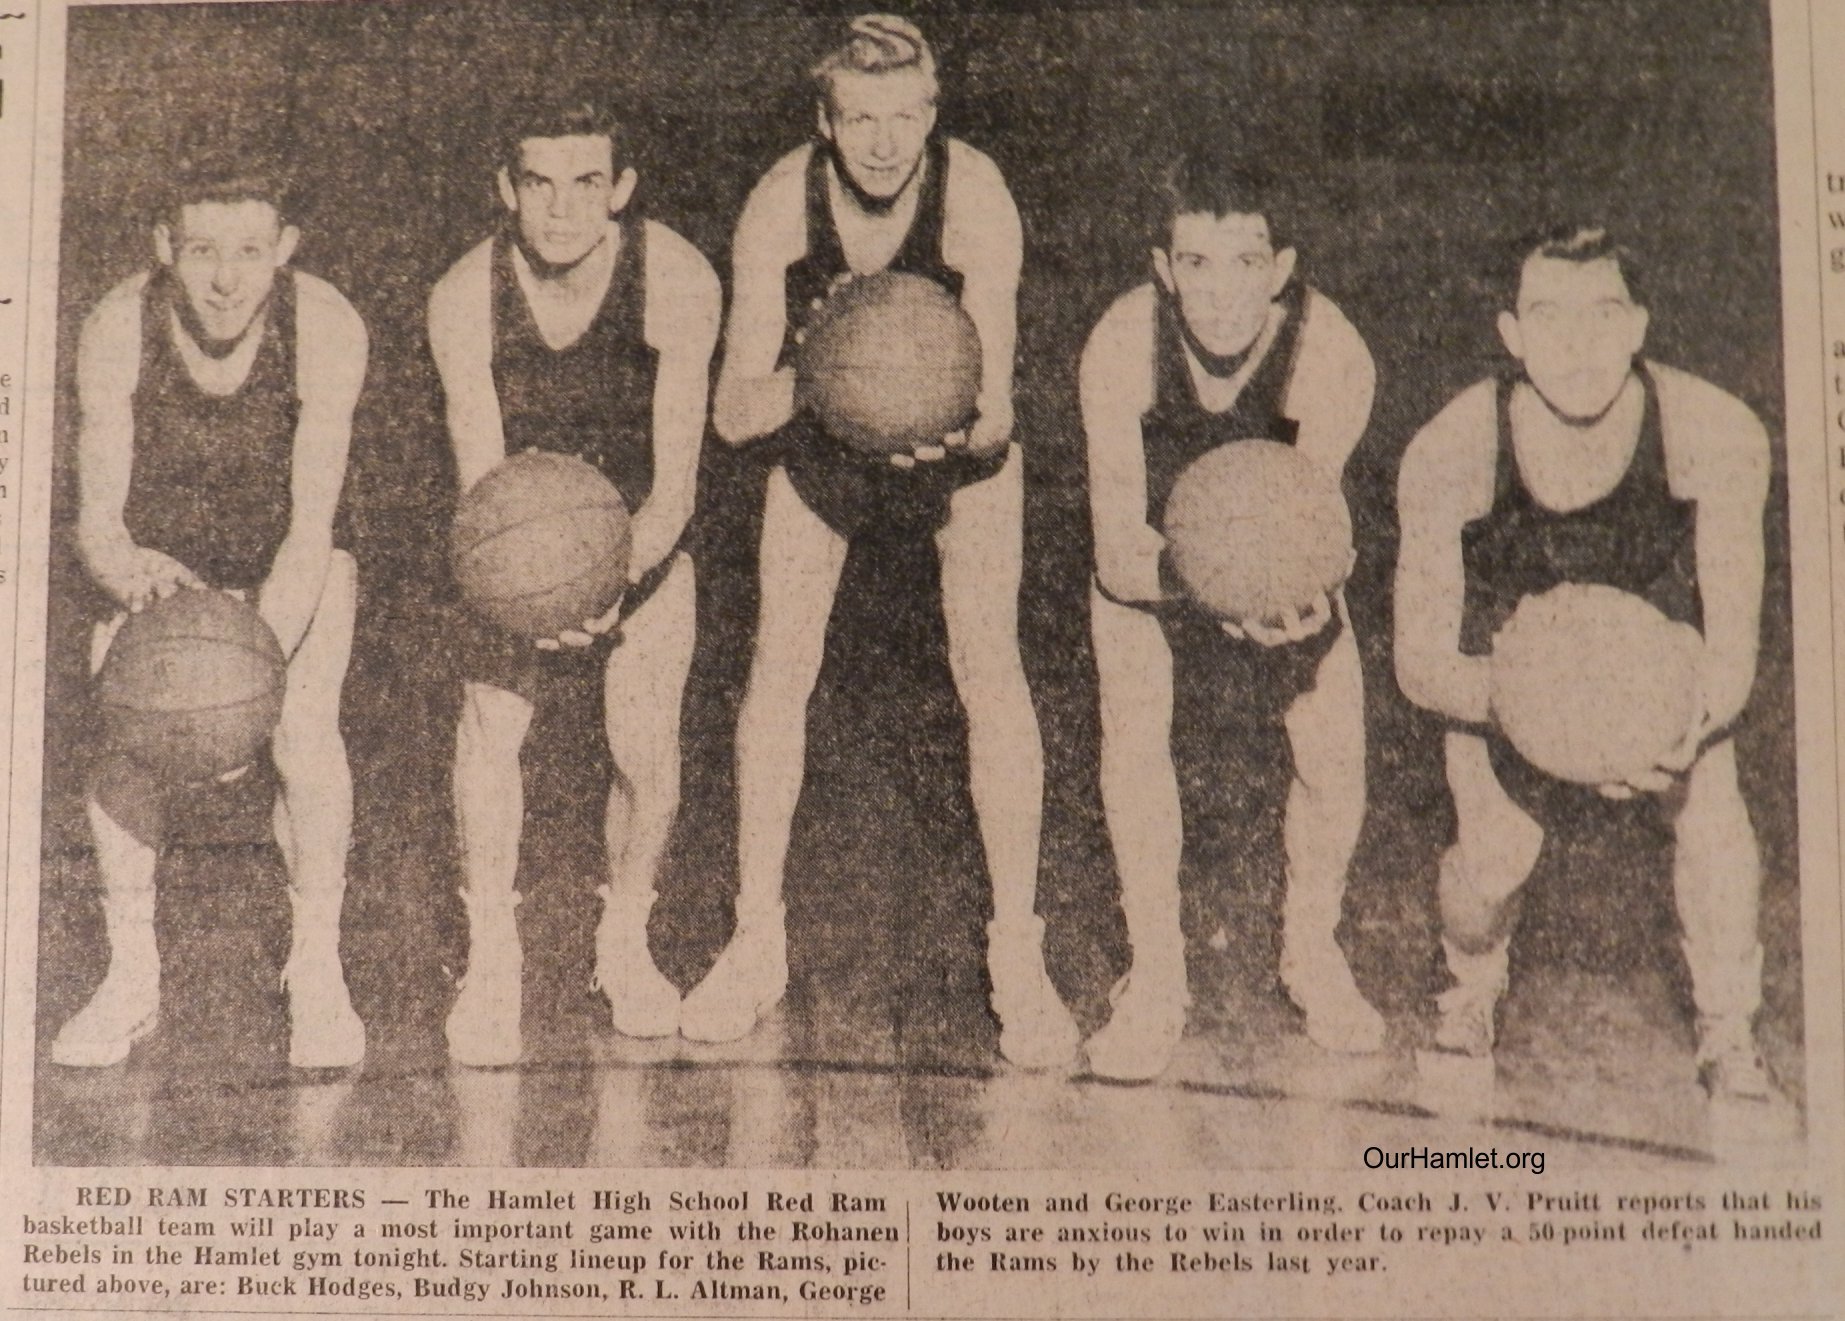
point(1225, 272)
point(225, 256)
point(563, 195)
point(1576, 330)
point(880, 122)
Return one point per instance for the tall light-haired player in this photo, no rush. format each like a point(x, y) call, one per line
point(880, 189)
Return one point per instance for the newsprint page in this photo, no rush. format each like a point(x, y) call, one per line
point(777, 658)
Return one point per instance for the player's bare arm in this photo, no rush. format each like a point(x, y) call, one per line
point(330, 365)
point(460, 339)
point(754, 397)
point(1115, 383)
point(1446, 482)
point(1722, 462)
point(684, 308)
point(1335, 381)
point(985, 241)
point(108, 368)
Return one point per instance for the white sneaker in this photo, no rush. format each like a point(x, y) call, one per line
point(642, 1002)
point(124, 1009)
point(748, 980)
point(1468, 1012)
point(323, 1030)
point(1729, 1065)
point(483, 1025)
point(1036, 1030)
point(1339, 1018)
point(1139, 1039)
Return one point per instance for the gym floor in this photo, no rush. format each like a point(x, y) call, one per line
point(1433, 137)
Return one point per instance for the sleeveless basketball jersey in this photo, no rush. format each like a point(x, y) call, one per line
point(594, 397)
point(1178, 429)
point(1216, 675)
point(211, 483)
point(851, 491)
point(1638, 537)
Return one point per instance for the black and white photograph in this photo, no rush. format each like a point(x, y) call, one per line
point(1135, 587)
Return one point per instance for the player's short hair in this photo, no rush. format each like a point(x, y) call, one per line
point(223, 175)
point(1578, 243)
point(875, 43)
point(555, 117)
point(1218, 184)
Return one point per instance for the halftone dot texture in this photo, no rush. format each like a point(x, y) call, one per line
point(192, 686)
point(541, 544)
point(1592, 684)
point(892, 362)
point(1256, 530)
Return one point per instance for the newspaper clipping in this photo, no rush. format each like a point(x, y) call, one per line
point(966, 660)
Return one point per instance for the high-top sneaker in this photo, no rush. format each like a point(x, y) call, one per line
point(1339, 1018)
point(323, 1030)
point(126, 1005)
point(642, 1002)
point(483, 1026)
point(1138, 1041)
point(1036, 1030)
point(1468, 1011)
point(747, 980)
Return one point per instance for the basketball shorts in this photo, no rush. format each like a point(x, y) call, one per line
point(854, 493)
point(490, 655)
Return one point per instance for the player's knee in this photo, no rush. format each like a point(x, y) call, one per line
point(129, 796)
point(493, 723)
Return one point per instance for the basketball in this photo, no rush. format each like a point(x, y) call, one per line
point(1255, 530)
point(192, 685)
point(1593, 685)
point(540, 544)
point(892, 363)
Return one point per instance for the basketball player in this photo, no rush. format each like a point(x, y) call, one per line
point(585, 329)
point(881, 190)
point(1587, 463)
point(1226, 343)
point(217, 394)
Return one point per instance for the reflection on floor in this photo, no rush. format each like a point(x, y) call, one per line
point(1594, 1070)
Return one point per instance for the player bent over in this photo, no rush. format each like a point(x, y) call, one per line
point(1587, 463)
point(217, 394)
point(1226, 344)
point(585, 329)
point(881, 190)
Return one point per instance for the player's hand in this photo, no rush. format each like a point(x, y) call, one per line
point(578, 638)
point(989, 432)
point(1668, 770)
point(1297, 626)
point(139, 576)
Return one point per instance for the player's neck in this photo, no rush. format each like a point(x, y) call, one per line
point(867, 204)
point(1217, 377)
point(189, 332)
point(588, 273)
point(1580, 423)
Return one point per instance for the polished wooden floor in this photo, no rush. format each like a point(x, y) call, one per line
point(1594, 1069)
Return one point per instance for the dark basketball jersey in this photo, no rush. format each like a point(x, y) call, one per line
point(594, 397)
point(212, 478)
point(1639, 537)
point(851, 491)
point(1222, 675)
